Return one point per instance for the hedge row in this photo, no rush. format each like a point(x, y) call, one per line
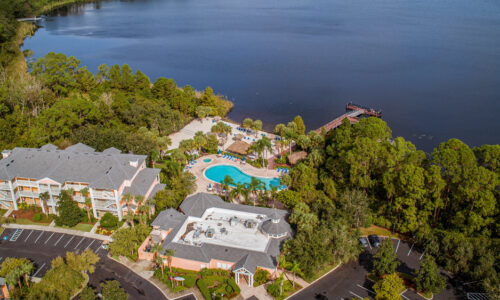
point(202, 285)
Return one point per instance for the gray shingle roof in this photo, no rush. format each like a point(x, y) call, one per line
point(99, 170)
point(169, 218)
point(195, 206)
point(48, 146)
point(271, 228)
point(79, 148)
point(111, 150)
point(142, 182)
point(156, 189)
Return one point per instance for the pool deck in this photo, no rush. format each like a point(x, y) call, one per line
point(202, 182)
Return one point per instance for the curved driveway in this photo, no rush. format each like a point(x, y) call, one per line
point(43, 246)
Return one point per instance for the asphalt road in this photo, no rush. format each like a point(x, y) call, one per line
point(349, 280)
point(43, 246)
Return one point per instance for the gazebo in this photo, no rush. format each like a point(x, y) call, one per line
point(239, 147)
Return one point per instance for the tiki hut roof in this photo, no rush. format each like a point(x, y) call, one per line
point(239, 147)
point(238, 137)
point(296, 156)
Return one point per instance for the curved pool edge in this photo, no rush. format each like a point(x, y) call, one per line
point(280, 187)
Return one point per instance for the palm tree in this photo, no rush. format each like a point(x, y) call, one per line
point(238, 190)
point(158, 259)
point(154, 157)
point(254, 186)
point(295, 268)
point(199, 140)
point(88, 202)
point(26, 268)
point(169, 253)
point(150, 202)
point(13, 277)
point(163, 143)
point(44, 197)
point(228, 180)
point(130, 217)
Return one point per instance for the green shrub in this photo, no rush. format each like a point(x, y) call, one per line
point(233, 285)
point(261, 277)
point(202, 285)
point(189, 280)
point(37, 217)
point(109, 221)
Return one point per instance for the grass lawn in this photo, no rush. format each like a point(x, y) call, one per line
point(80, 226)
point(2, 211)
point(321, 272)
point(23, 221)
point(380, 231)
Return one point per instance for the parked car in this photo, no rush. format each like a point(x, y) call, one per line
point(363, 242)
point(374, 240)
point(321, 297)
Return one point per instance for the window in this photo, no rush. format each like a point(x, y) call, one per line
point(224, 266)
point(219, 265)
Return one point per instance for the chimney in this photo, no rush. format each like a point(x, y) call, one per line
point(6, 153)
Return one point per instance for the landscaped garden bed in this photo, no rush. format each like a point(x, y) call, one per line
point(217, 282)
point(30, 215)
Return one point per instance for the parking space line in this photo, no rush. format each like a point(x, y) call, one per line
point(39, 270)
point(1, 258)
point(397, 247)
point(356, 295)
point(404, 296)
point(69, 241)
point(369, 291)
point(28, 236)
point(422, 255)
point(410, 250)
point(41, 233)
point(48, 238)
point(90, 244)
point(79, 243)
point(59, 240)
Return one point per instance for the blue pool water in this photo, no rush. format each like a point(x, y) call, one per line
point(207, 160)
point(217, 174)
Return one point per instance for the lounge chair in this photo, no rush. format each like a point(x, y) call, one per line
point(286, 171)
point(278, 169)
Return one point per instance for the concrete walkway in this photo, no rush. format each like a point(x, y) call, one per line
point(61, 230)
point(145, 269)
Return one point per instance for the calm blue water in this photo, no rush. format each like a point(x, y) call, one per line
point(432, 66)
point(217, 174)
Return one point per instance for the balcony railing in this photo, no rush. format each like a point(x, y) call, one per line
point(74, 187)
point(25, 183)
point(103, 195)
point(4, 186)
point(79, 199)
point(26, 194)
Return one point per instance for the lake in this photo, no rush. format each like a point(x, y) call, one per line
point(433, 67)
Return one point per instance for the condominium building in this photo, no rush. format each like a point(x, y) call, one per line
point(36, 176)
point(208, 232)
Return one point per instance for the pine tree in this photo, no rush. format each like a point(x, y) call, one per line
point(385, 261)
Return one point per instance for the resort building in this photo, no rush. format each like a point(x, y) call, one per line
point(210, 233)
point(36, 176)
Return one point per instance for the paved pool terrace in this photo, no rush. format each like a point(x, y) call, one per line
point(199, 168)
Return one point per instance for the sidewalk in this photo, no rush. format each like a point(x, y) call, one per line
point(60, 230)
point(145, 270)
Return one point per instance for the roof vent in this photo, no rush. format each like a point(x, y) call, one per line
point(134, 163)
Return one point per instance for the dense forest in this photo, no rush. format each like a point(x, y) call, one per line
point(447, 201)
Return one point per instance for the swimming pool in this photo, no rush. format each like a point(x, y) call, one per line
point(218, 172)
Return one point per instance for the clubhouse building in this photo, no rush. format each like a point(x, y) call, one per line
point(26, 173)
point(208, 232)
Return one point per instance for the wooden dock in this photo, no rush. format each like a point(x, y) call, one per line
point(354, 112)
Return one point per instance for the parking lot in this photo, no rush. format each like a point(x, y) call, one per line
point(41, 247)
point(350, 281)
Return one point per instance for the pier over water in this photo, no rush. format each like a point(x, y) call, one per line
point(353, 114)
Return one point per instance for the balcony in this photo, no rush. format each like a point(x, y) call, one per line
point(26, 194)
point(103, 195)
point(25, 183)
point(79, 199)
point(74, 187)
point(108, 205)
point(4, 186)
